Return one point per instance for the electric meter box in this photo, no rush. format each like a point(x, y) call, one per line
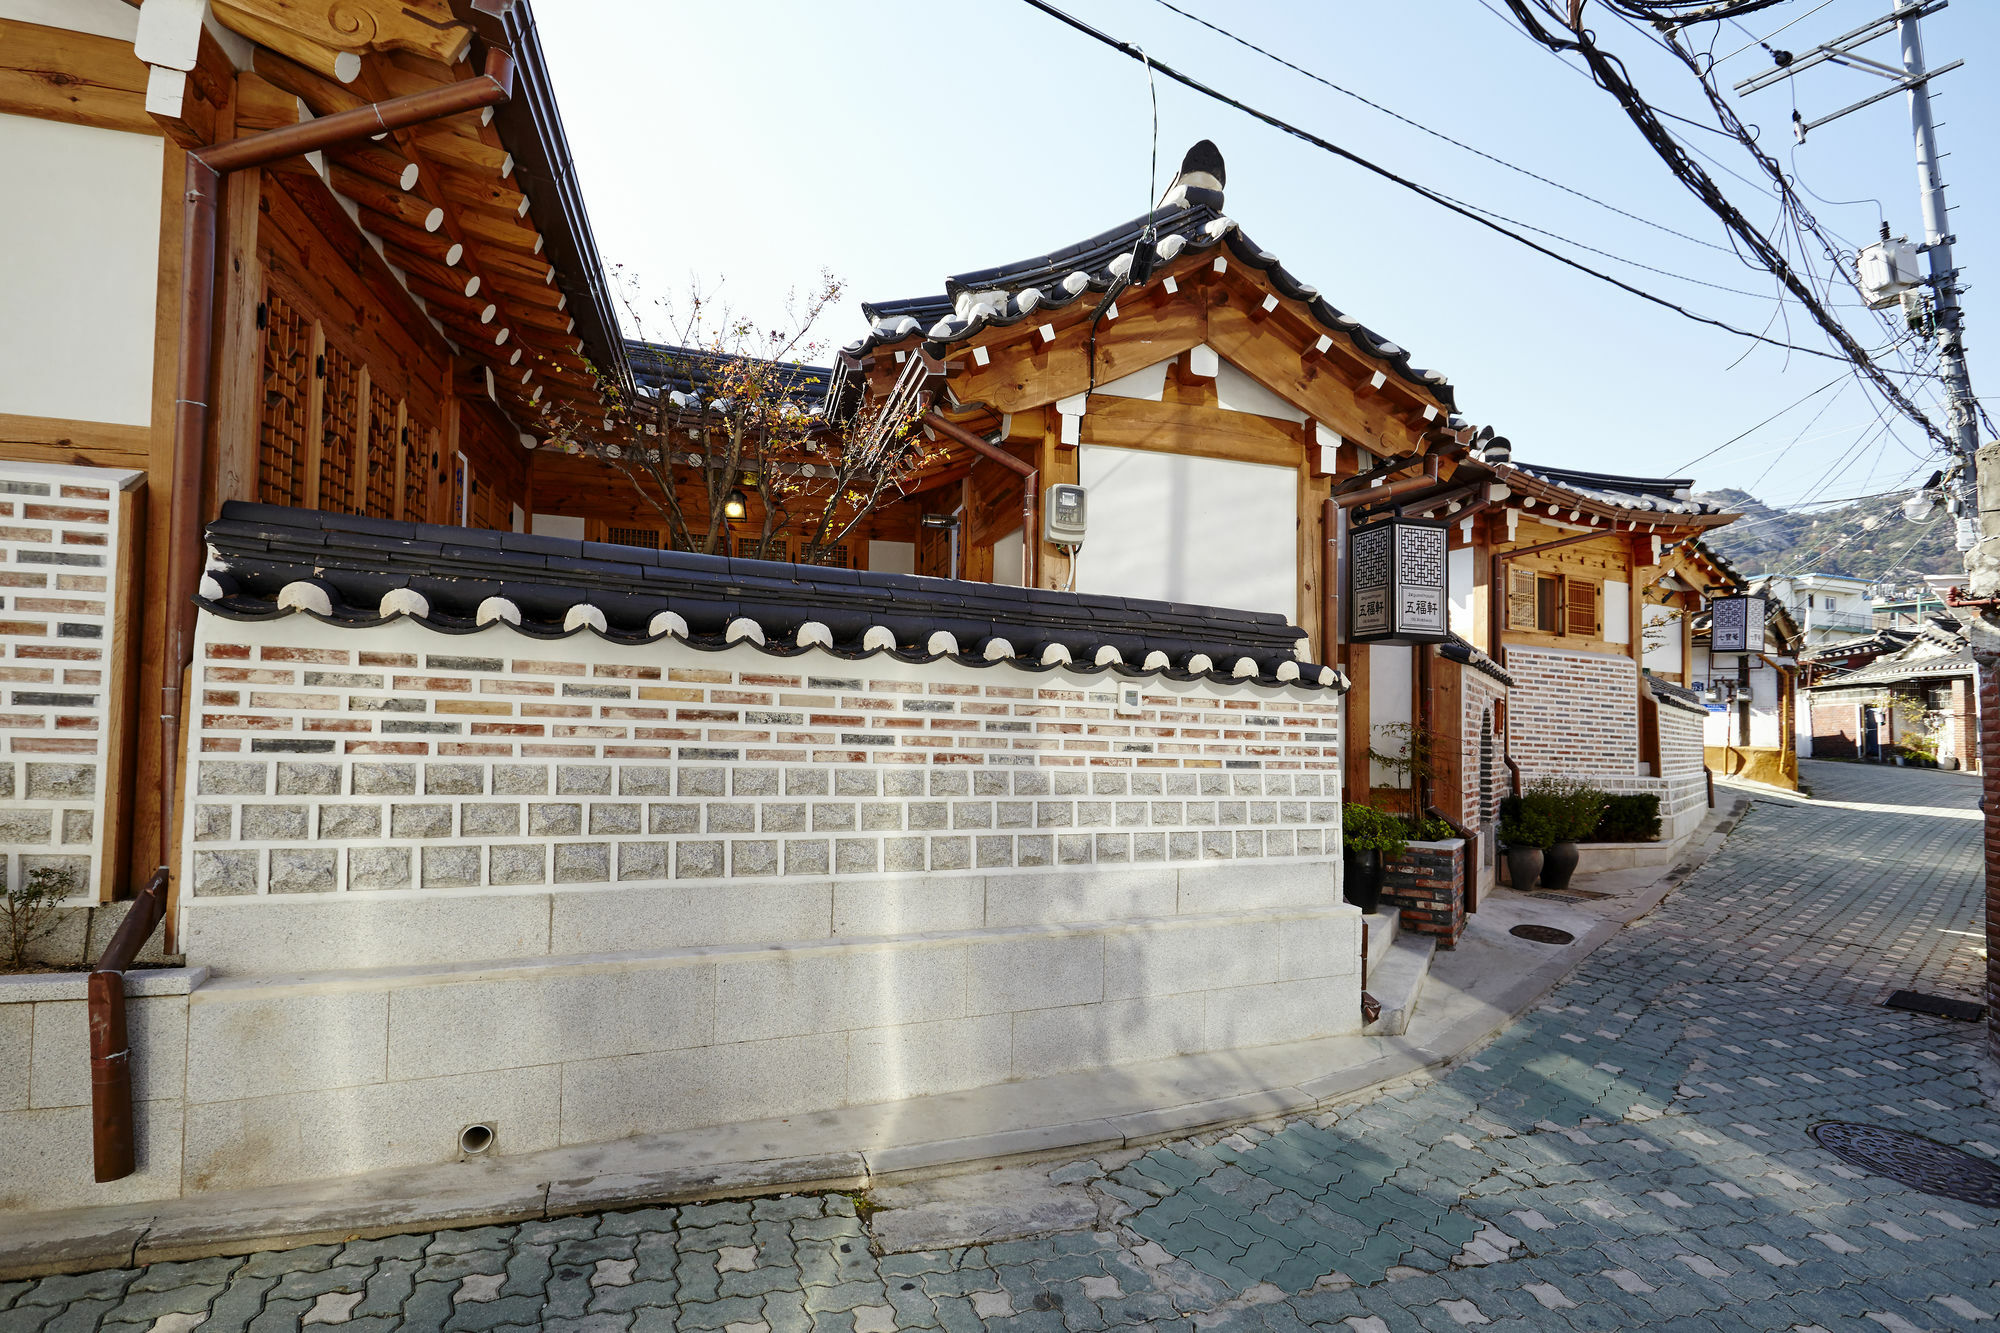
point(1063, 512)
point(1887, 270)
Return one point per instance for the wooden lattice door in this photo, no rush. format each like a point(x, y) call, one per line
point(384, 452)
point(340, 421)
point(282, 431)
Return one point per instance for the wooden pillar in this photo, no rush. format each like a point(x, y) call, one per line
point(237, 410)
point(1354, 744)
point(1313, 492)
point(1057, 464)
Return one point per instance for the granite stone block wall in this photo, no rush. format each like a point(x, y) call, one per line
point(62, 595)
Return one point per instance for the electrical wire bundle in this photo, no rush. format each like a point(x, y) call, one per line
point(1547, 25)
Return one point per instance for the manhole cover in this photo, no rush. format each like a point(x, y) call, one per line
point(1543, 934)
point(1913, 1160)
point(1938, 1006)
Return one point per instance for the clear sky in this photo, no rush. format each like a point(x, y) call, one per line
point(755, 143)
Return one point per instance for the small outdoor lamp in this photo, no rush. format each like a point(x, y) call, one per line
point(734, 505)
point(1396, 582)
point(1736, 623)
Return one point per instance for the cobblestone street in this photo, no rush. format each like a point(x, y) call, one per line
point(1633, 1153)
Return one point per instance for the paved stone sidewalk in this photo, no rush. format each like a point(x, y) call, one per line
point(1632, 1154)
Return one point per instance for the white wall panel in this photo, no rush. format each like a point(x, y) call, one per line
point(1458, 578)
point(892, 557)
point(1197, 530)
point(1617, 611)
point(82, 264)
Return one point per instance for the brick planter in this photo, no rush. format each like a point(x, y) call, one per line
point(1424, 883)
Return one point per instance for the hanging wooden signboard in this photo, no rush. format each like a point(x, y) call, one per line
point(1736, 624)
point(1396, 582)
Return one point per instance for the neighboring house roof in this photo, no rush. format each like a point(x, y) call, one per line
point(1461, 650)
point(1667, 496)
point(663, 367)
point(1675, 695)
point(1010, 293)
point(270, 561)
point(1876, 644)
point(1899, 669)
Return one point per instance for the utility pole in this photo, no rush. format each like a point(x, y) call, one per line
point(1961, 413)
point(1914, 78)
point(1977, 500)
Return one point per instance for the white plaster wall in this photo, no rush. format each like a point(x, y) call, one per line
point(1663, 647)
point(1617, 611)
point(892, 557)
point(1196, 530)
point(1007, 552)
point(1458, 586)
point(1235, 391)
point(1390, 700)
point(82, 267)
point(101, 18)
point(556, 525)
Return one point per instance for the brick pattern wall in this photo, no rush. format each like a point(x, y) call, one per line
point(331, 761)
point(1479, 801)
point(1426, 883)
point(1574, 714)
point(1835, 725)
point(59, 591)
point(1682, 767)
point(1962, 724)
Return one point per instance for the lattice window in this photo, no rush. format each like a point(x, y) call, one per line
point(642, 537)
point(281, 431)
point(419, 443)
point(833, 557)
point(384, 443)
point(340, 415)
point(772, 548)
point(693, 543)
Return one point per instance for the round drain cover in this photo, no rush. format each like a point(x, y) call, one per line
point(1913, 1160)
point(1543, 934)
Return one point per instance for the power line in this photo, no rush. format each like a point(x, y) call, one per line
point(1442, 200)
point(1439, 134)
point(1609, 72)
point(1765, 422)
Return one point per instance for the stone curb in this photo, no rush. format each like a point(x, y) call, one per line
point(504, 1191)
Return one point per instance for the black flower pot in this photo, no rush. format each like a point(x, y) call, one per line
point(1524, 866)
point(1558, 864)
point(1362, 882)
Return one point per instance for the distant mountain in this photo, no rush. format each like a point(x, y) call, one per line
point(1868, 539)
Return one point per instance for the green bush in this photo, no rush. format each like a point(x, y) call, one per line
point(1629, 819)
point(1571, 806)
point(1431, 828)
point(1366, 829)
point(1526, 824)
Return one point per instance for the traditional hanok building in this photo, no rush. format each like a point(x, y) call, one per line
point(1901, 692)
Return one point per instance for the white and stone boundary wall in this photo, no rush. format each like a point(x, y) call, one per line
point(65, 538)
point(579, 890)
point(394, 766)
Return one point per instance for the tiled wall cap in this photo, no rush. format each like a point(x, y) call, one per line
point(744, 628)
point(405, 601)
point(1156, 661)
point(1245, 668)
point(672, 622)
point(306, 596)
point(1107, 655)
point(997, 648)
point(1286, 670)
point(212, 588)
point(878, 636)
point(1200, 663)
point(498, 608)
point(1054, 653)
point(1328, 676)
point(583, 613)
point(942, 641)
point(812, 632)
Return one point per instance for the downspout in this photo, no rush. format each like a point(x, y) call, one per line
point(1496, 619)
point(1030, 481)
point(111, 1099)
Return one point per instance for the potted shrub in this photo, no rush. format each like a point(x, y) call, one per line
point(1526, 831)
point(1922, 750)
point(1572, 808)
point(1367, 838)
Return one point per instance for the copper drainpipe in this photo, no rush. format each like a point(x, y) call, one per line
point(1030, 482)
point(111, 1094)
